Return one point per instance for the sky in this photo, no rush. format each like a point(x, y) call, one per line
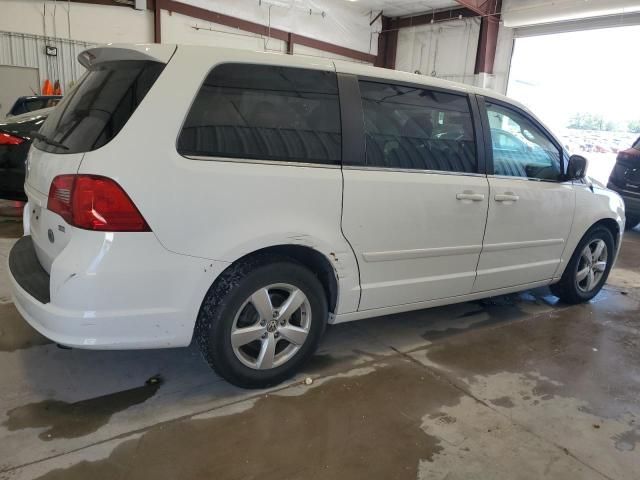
point(594, 71)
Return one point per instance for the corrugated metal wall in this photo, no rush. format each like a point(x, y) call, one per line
point(29, 51)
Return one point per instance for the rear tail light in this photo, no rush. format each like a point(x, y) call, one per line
point(92, 202)
point(8, 139)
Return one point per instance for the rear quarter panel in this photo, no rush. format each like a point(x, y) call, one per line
point(223, 210)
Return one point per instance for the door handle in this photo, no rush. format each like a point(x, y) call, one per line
point(474, 197)
point(507, 197)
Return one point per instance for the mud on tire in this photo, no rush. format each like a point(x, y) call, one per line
point(228, 309)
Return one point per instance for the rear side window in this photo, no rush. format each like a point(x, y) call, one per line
point(33, 104)
point(265, 112)
point(415, 128)
point(99, 106)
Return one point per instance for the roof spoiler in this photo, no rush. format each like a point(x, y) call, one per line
point(111, 52)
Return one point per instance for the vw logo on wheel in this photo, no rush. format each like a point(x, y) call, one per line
point(272, 326)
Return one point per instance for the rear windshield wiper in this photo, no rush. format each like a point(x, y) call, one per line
point(46, 139)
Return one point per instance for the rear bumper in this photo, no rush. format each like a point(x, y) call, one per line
point(135, 295)
point(27, 272)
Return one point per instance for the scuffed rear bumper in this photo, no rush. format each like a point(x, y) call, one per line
point(132, 294)
point(26, 270)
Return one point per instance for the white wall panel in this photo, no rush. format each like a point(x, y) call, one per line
point(23, 50)
point(445, 50)
point(312, 52)
point(502, 63)
point(182, 29)
point(178, 28)
point(333, 21)
point(89, 23)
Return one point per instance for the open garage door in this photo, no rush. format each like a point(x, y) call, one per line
point(581, 77)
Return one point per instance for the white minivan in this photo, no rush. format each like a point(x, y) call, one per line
point(244, 200)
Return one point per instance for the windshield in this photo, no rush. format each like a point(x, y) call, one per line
point(99, 106)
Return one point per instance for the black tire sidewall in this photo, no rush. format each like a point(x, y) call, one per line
point(595, 234)
point(217, 347)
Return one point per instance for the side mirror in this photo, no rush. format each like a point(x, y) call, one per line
point(577, 168)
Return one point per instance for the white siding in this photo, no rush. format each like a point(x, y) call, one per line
point(88, 23)
point(334, 21)
point(312, 52)
point(23, 50)
point(181, 29)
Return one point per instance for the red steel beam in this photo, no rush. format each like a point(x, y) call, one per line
point(387, 45)
point(488, 41)
point(290, 44)
point(156, 6)
point(480, 7)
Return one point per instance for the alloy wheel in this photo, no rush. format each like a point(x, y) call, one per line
point(592, 265)
point(271, 326)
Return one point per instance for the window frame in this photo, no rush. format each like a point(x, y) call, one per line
point(214, 158)
point(355, 113)
point(482, 103)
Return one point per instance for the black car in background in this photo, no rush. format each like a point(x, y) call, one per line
point(625, 179)
point(33, 103)
point(15, 141)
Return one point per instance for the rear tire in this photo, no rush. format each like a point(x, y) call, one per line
point(261, 321)
point(588, 269)
point(632, 222)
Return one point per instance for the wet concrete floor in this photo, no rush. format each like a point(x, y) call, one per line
point(519, 386)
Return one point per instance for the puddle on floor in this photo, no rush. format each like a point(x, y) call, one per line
point(70, 420)
point(360, 427)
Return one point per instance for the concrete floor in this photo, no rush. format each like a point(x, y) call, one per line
point(512, 387)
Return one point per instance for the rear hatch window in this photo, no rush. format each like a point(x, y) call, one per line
point(98, 107)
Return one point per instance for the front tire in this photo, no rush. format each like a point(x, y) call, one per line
point(588, 269)
point(261, 321)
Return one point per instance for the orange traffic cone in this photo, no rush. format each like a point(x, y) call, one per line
point(47, 89)
point(56, 88)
